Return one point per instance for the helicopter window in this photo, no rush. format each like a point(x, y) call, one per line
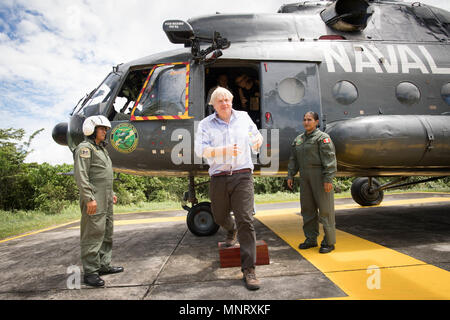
point(100, 97)
point(121, 104)
point(128, 94)
point(345, 92)
point(291, 90)
point(164, 96)
point(445, 93)
point(407, 93)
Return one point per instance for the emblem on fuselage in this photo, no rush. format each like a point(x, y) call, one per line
point(124, 138)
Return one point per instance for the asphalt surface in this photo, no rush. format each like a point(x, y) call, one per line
point(409, 234)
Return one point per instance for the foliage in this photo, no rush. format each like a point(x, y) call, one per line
point(15, 187)
point(29, 186)
point(269, 185)
point(52, 191)
point(42, 187)
point(342, 184)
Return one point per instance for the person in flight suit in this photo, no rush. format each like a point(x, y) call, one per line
point(94, 177)
point(313, 155)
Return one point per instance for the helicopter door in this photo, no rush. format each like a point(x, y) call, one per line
point(160, 121)
point(289, 90)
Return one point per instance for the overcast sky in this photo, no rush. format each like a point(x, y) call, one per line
point(53, 52)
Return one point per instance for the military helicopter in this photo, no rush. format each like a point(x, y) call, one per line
point(376, 72)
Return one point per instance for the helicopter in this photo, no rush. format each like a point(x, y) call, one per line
point(376, 72)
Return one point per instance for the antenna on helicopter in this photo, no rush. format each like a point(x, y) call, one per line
point(179, 31)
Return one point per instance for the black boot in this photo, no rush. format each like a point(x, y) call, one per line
point(111, 270)
point(308, 244)
point(93, 280)
point(325, 248)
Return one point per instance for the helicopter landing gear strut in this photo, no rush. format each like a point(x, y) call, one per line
point(200, 220)
point(369, 192)
point(366, 191)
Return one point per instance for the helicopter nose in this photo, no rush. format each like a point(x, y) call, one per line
point(59, 133)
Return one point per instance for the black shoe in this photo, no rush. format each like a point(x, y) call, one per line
point(326, 248)
point(93, 280)
point(307, 244)
point(111, 270)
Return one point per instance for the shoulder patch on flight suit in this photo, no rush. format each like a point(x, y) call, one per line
point(298, 141)
point(326, 140)
point(85, 152)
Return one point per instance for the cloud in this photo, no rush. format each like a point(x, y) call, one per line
point(53, 52)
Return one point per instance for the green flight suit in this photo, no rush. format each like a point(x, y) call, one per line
point(94, 177)
point(313, 155)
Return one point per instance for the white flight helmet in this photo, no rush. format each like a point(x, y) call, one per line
point(94, 121)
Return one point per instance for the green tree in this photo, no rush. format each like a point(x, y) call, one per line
point(16, 191)
point(52, 190)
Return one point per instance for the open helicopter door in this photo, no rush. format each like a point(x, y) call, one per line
point(288, 91)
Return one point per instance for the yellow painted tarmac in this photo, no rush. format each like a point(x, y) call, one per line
point(360, 268)
point(261, 213)
point(356, 206)
point(363, 269)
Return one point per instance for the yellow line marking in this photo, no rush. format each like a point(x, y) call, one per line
point(143, 221)
point(75, 221)
point(258, 214)
point(354, 262)
point(148, 211)
point(276, 211)
point(400, 276)
point(37, 231)
point(356, 206)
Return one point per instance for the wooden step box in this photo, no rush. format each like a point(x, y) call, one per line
point(231, 256)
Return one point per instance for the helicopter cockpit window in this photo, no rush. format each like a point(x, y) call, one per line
point(97, 100)
point(128, 94)
point(164, 94)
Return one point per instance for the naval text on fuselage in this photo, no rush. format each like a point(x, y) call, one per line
point(226, 309)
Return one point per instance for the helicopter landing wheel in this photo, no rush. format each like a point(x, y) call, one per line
point(200, 220)
point(365, 192)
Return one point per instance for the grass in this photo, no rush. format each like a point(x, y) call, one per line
point(19, 222)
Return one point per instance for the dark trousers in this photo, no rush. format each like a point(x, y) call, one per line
point(235, 193)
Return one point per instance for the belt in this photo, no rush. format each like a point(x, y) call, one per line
point(230, 173)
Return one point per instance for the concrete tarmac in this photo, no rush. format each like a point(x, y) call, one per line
point(381, 252)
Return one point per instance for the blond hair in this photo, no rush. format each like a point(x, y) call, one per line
point(220, 91)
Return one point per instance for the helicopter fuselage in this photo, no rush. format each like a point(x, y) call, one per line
point(384, 97)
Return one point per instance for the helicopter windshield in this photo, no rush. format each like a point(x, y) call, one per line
point(98, 98)
point(165, 94)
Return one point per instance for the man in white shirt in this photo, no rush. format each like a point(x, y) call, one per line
point(226, 139)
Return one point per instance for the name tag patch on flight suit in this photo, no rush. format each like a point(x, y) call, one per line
point(326, 140)
point(85, 153)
